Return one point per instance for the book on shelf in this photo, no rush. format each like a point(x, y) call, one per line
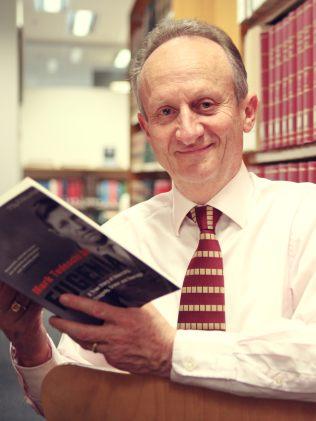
point(299, 172)
point(288, 79)
point(49, 248)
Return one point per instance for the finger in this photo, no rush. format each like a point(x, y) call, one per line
point(101, 347)
point(97, 309)
point(79, 331)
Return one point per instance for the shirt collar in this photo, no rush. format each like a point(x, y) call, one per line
point(232, 200)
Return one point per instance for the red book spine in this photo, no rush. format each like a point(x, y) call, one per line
point(271, 118)
point(314, 72)
point(278, 84)
point(308, 72)
point(113, 191)
point(282, 172)
point(292, 78)
point(302, 172)
point(285, 83)
point(292, 172)
point(299, 61)
point(272, 172)
point(264, 123)
point(311, 171)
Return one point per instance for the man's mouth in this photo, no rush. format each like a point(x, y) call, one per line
point(196, 150)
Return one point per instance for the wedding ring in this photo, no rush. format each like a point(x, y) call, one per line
point(94, 347)
point(16, 307)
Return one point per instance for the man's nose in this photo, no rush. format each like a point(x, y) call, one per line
point(189, 128)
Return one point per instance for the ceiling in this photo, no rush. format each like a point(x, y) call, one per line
point(49, 48)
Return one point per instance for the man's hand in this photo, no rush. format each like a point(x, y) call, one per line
point(24, 327)
point(138, 340)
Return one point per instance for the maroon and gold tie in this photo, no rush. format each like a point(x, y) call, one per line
point(202, 303)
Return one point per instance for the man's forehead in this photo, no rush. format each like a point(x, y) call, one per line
point(184, 58)
point(185, 48)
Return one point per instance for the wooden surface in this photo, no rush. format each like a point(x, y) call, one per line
point(83, 394)
point(222, 13)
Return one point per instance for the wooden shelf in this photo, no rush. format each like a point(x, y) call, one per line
point(281, 155)
point(147, 167)
point(269, 11)
point(45, 173)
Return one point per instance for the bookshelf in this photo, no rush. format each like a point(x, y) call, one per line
point(147, 176)
point(287, 49)
point(97, 192)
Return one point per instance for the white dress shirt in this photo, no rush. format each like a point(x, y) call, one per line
point(267, 234)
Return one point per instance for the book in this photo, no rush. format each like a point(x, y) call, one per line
point(49, 248)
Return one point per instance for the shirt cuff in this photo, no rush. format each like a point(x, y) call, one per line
point(30, 378)
point(203, 358)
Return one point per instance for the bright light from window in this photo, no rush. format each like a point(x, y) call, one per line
point(76, 54)
point(122, 59)
point(120, 86)
point(50, 6)
point(81, 22)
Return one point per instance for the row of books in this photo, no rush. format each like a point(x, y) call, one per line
point(298, 172)
point(145, 189)
point(76, 191)
point(141, 150)
point(288, 58)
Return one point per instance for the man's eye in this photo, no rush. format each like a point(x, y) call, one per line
point(166, 111)
point(206, 105)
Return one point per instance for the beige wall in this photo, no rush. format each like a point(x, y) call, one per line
point(9, 153)
point(71, 126)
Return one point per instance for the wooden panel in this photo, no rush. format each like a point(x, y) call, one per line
point(222, 13)
point(270, 10)
point(81, 394)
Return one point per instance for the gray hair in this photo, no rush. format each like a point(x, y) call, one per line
point(169, 29)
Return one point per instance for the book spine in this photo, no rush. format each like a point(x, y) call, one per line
point(299, 66)
point(271, 118)
point(285, 83)
point(308, 71)
point(277, 85)
point(282, 172)
point(113, 192)
point(292, 78)
point(311, 171)
point(292, 172)
point(314, 72)
point(264, 123)
point(302, 172)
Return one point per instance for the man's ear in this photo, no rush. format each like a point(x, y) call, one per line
point(250, 112)
point(144, 125)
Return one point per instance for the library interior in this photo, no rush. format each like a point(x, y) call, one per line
point(69, 119)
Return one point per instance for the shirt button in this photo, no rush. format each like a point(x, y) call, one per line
point(189, 364)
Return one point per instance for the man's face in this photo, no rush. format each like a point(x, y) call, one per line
point(68, 225)
point(193, 121)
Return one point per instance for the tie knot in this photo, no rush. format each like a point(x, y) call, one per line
point(205, 216)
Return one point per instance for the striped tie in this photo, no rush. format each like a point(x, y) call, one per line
point(202, 303)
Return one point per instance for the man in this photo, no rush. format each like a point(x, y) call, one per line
point(192, 91)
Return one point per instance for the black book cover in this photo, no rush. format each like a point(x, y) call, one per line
point(49, 248)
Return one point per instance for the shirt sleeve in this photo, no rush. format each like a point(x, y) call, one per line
point(30, 378)
point(276, 360)
point(67, 352)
